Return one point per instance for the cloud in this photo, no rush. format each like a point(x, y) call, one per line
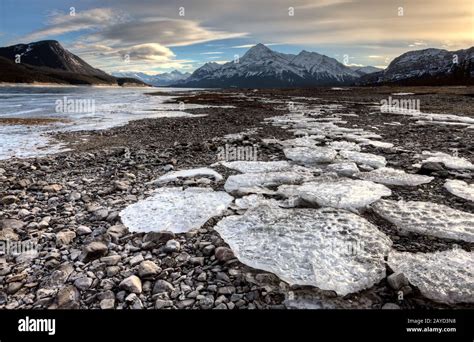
point(212, 53)
point(150, 52)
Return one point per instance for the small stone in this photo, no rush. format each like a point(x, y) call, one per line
point(397, 280)
point(159, 237)
point(65, 237)
point(52, 188)
point(68, 298)
point(162, 286)
point(221, 306)
point(148, 269)
point(111, 260)
point(224, 254)
point(101, 214)
point(172, 246)
point(390, 306)
point(107, 304)
point(202, 276)
point(117, 231)
point(197, 261)
point(132, 284)
point(94, 250)
point(208, 250)
point(135, 260)
point(161, 303)
point(83, 283)
point(10, 199)
point(83, 230)
point(14, 287)
point(226, 290)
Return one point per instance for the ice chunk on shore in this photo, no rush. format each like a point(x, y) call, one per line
point(460, 188)
point(310, 155)
point(427, 218)
point(346, 169)
point(389, 176)
point(248, 183)
point(376, 143)
point(344, 193)
point(258, 166)
point(344, 145)
point(175, 175)
point(451, 162)
point(446, 277)
point(305, 141)
point(361, 158)
point(175, 210)
point(328, 248)
point(252, 201)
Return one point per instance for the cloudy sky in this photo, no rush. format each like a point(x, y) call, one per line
point(155, 36)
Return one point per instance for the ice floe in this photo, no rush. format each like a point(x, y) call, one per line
point(310, 155)
point(427, 218)
point(346, 169)
point(446, 277)
point(376, 143)
point(344, 145)
point(175, 209)
point(191, 173)
point(361, 158)
point(460, 188)
point(258, 166)
point(327, 248)
point(248, 183)
point(255, 200)
point(341, 193)
point(451, 162)
point(389, 176)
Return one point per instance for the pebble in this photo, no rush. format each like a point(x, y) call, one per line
point(132, 284)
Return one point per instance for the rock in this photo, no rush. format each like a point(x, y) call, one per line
point(111, 260)
point(390, 306)
point(172, 246)
point(107, 304)
point(134, 302)
point(83, 283)
point(397, 280)
point(65, 237)
point(121, 186)
point(83, 230)
point(202, 276)
point(100, 214)
point(117, 231)
point(162, 286)
point(224, 254)
point(14, 287)
point(12, 224)
point(430, 167)
point(7, 234)
point(148, 269)
point(159, 237)
point(132, 284)
point(208, 250)
point(161, 303)
point(135, 260)
point(53, 188)
point(226, 290)
point(74, 196)
point(94, 250)
point(10, 199)
point(68, 298)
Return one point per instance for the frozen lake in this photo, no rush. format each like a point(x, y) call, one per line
point(76, 108)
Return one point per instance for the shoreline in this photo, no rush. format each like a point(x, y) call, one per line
point(111, 169)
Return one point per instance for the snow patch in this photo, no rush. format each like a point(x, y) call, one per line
point(389, 176)
point(360, 158)
point(258, 166)
point(310, 155)
point(191, 173)
point(460, 188)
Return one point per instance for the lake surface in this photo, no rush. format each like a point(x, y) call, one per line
point(76, 108)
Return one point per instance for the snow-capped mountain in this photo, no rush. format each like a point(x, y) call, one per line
point(263, 67)
point(428, 66)
point(365, 70)
point(158, 80)
point(48, 62)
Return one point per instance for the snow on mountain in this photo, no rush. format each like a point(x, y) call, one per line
point(428, 66)
point(365, 70)
point(262, 67)
point(163, 79)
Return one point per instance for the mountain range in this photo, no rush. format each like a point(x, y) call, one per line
point(48, 62)
point(158, 80)
point(260, 67)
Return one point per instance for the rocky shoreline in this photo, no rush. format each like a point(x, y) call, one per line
point(68, 206)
